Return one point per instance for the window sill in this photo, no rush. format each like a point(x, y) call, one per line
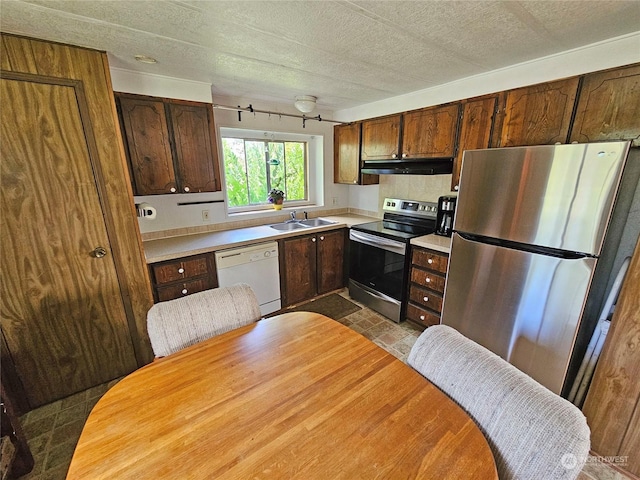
point(265, 211)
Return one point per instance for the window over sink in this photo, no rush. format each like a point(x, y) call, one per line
point(256, 162)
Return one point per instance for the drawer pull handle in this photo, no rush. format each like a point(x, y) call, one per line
point(426, 299)
point(181, 270)
point(421, 317)
point(428, 280)
point(184, 291)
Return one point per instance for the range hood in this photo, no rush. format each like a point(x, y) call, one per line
point(424, 166)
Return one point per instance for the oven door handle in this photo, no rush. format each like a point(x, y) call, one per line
point(379, 242)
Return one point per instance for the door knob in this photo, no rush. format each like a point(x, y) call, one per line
point(99, 252)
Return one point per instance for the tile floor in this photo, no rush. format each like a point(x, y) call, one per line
point(53, 430)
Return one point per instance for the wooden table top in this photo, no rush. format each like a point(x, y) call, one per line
point(294, 396)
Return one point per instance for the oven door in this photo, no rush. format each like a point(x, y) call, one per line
point(377, 272)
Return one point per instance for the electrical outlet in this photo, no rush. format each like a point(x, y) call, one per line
point(205, 215)
point(335, 200)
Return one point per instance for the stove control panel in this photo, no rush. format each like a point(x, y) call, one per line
point(410, 207)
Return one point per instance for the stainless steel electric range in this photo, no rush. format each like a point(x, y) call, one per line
point(379, 254)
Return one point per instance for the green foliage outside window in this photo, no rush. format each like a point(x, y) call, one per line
point(254, 167)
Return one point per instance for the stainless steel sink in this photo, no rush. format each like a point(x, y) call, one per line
point(287, 226)
point(315, 222)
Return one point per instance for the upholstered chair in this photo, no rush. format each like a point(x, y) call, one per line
point(533, 433)
point(176, 324)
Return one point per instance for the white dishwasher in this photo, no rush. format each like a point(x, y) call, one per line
point(256, 265)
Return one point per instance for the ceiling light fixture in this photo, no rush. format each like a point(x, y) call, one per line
point(305, 103)
point(145, 59)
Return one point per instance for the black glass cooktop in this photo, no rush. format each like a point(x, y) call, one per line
point(398, 229)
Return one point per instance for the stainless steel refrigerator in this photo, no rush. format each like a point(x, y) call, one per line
point(529, 230)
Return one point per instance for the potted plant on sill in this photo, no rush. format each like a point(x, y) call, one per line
point(276, 197)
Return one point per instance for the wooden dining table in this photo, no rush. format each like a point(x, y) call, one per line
point(297, 395)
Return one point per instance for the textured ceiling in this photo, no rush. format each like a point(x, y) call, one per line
point(347, 53)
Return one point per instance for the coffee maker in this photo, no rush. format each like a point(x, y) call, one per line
point(444, 220)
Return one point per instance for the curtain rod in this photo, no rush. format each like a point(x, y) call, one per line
point(250, 109)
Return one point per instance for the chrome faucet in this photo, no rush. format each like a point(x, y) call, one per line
point(293, 216)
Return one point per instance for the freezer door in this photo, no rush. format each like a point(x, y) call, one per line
point(525, 307)
point(557, 196)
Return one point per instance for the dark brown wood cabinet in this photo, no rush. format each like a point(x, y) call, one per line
point(425, 133)
point(381, 138)
point(184, 276)
point(75, 290)
point(426, 286)
point(170, 144)
point(609, 107)
point(475, 130)
point(430, 132)
point(346, 156)
point(539, 114)
point(311, 265)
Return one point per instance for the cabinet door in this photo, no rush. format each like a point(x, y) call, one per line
point(346, 156)
point(540, 114)
point(299, 269)
point(430, 133)
point(609, 107)
point(330, 260)
point(346, 153)
point(196, 155)
point(475, 131)
point(148, 145)
point(380, 138)
point(62, 310)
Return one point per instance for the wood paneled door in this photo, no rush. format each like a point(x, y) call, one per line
point(62, 309)
point(149, 147)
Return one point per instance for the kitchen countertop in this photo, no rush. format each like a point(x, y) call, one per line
point(186, 245)
point(433, 242)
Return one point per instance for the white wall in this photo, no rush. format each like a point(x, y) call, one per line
point(599, 56)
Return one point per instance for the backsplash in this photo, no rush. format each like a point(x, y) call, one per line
point(230, 225)
point(426, 188)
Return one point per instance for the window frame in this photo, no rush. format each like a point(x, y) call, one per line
point(312, 142)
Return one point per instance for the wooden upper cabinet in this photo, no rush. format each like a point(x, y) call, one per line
point(430, 132)
point(540, 114)
point(147, 136)
point(609, 107)
point(381, 138)
point(475, 130)
point(171, 145)
point(196, 155)
point(346, 156)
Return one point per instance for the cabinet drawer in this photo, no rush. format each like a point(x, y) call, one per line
point(427, 279)
point(181, 269)
point(421, 316)
point(182, 289)
point(425, 298)
point(429, 260)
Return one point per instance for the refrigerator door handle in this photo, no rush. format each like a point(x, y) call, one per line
point(551, 252)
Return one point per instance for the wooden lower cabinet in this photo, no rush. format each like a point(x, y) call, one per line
point(311, 265)
point(426, 286)
point(184, 276)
